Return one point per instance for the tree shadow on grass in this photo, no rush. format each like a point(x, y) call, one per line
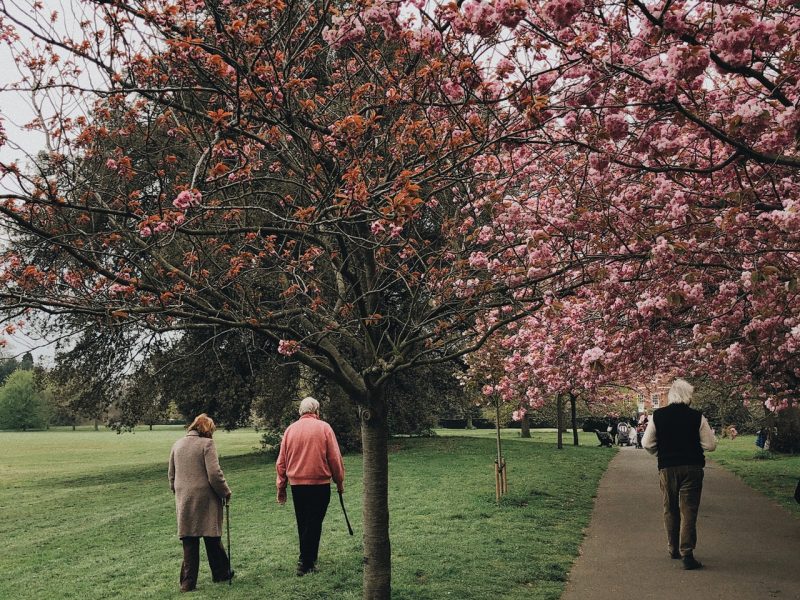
point(146, 473)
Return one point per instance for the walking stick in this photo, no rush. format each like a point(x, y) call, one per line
point(346, 520)
point(228, 527)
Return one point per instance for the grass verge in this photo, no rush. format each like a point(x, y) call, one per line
point(88, 515)
point(774, 475)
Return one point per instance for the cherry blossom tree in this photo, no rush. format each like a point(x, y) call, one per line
point(320, 175)
point(688, 115)
point(673, 132)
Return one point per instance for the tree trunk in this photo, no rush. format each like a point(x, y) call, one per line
point(560, 420)
point(377, 551)
point(73, 427)
point(96, 427)
point(526, 426)
point(574, 416)
point(469, 421)
point(151, 427)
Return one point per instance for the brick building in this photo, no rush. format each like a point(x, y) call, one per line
point(653, 394)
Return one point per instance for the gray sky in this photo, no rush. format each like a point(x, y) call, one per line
point(16, 111)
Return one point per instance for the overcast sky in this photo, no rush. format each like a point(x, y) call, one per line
point(16, 112)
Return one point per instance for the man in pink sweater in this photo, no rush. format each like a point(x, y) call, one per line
point(309, 459)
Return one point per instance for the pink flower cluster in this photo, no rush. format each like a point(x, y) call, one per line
point(561, 12)
point(345, 30)
point(616, 126)
point(687, 62)
point(510, 12)
point(480, 17)
point(288, 347)
point(187, 199)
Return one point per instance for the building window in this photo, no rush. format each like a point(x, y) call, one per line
point(654, 399)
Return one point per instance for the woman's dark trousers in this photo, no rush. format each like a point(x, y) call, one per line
point(310, 505)
point(217, 560)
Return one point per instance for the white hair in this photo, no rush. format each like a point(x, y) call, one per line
point(681, 392)
point(309, 405)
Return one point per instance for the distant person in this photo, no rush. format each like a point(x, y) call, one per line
point(198, 483)
point(678, 435)
point(761, 437)
point(641, 428)
point(612, 429)
point(309, 459)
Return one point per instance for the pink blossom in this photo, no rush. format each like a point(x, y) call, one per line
point(592, 355)
point(187, 199)
point(478, 260)
point(453, 90)
point(504, 68)
point(377, 227)
point(561, 12)
point(344, 31)
point(616, 126)
point(511, 12)
point(117, 289)
point(480, 17)
point(687, 62)
point(288, 347)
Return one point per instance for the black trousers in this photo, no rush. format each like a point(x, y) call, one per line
point(217, 560)
point(310, 505)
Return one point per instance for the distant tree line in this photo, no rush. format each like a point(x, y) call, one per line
point(124, 380)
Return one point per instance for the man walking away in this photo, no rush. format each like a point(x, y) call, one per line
point(309, 458)
point(678, 435)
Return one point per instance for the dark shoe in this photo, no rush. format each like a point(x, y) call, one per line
point(305, 569)
point(187, 589)
point(674, 555)
point(228, 578)
point(690, 563)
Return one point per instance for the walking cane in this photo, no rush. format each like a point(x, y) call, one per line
point(346, 520)
point(228, 527)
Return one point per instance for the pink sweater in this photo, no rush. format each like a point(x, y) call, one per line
point(309, 454)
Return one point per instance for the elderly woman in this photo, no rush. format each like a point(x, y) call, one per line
point(196, 479)
point(309, 458)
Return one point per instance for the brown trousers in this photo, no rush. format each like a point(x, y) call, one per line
point(217, 560)
point(681, 488)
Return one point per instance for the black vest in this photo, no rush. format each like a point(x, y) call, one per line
point(678, 436)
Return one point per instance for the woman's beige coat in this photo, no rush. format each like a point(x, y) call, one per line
point(196, 479)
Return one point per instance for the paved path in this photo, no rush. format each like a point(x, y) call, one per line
point(749, 545)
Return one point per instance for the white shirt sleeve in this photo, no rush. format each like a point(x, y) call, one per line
point(708, 440)
point(649, 440)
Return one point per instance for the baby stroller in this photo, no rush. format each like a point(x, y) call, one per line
point(623, 434)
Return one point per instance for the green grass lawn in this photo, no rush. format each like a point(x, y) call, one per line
point(775, 477)
point(89, 515)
